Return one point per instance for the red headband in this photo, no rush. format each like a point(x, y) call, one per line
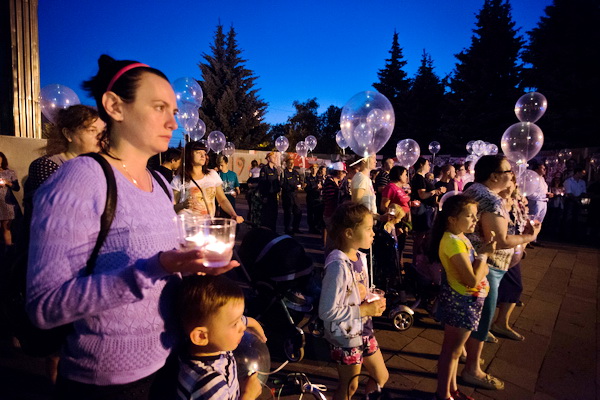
point(121, 72)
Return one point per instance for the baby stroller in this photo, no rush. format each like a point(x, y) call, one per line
point(399, 280)
point(279, 286)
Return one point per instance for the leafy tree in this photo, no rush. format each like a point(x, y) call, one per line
point(394, 84)
point(564, 60)
point(330, 125)
point(485, 84)
point(425, 104)
point(304, 122)
point(231, 102)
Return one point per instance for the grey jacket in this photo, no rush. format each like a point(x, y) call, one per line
point(340, 301)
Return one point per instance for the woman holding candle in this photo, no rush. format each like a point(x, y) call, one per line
point(196, 194)
point(120, 312)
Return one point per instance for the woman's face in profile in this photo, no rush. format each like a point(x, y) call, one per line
point(149, 121)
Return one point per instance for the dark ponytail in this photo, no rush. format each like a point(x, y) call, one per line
point(125, 86)
point(452, 207)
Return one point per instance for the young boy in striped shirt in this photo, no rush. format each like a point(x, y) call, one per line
point(211, 315)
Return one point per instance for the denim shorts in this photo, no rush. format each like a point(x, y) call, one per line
point(355, 355)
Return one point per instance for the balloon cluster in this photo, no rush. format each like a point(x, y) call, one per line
point(189, 99)
point(524, 140)
point(56, 97)
point(367, 122)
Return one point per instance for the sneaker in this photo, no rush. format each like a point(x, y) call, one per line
point(487, 382)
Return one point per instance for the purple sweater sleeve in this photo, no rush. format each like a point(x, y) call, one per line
point(65, 225)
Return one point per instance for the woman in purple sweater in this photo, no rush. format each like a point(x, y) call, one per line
point(121, 336)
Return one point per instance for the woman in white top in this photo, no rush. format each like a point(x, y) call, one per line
point(201, 187)
point(362, 186)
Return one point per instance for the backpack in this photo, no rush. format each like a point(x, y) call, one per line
point(39, 342)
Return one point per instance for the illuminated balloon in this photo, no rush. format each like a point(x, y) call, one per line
point(301, 149)
point(188, 117)
point(198, 131)
point(216, 141)
point(531, 106)
point(492, 149)
point(522, 141)
point(251, 356)
point(229, 149)
point(56, 97)
point(447, 195)
point(188, 91)
point(282, 143)
point(470, 147)
point(564, 155)
point(367, 122)
point(204, 143)
point(407, 152)
point(479, 147)
point(434, 147)
point(339, 138)
point(311, 142)
point(529, 182)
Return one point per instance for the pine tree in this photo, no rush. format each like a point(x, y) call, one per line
point(425, 104)
point(485, 85)
point(394, 84)
point(330, 125)
point(231, 103)
point(304, 122)
point(564, 60)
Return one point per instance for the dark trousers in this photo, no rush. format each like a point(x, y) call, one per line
point(160, 385)
point(314, 212)
point(290, 208)
point(269, 212)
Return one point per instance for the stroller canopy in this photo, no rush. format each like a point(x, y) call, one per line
point(269, 256)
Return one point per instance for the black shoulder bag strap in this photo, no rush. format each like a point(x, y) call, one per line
point(109, 209)
point(161, 182)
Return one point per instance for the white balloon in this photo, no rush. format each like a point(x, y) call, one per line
point(301, 149)
point(282, 143)
point(311, 142)
point(367, 122)
point(216, 141)
point(407, 152)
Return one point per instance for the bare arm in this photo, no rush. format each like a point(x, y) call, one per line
point(226, 205)
point(357, 194)
point(385, 202)
point(469, 274)
point(494, 223)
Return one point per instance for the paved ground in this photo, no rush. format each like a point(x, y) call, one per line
point(558, 359)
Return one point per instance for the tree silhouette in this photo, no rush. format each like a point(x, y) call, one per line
point(231, 102)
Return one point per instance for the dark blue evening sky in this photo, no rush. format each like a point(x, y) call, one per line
point(330, 50)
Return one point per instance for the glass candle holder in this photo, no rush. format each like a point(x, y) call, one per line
point(215, 237)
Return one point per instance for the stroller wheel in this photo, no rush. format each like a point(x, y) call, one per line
point(293, 345)
point(402, 320)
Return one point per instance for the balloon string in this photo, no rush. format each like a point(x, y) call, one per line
point(275, 371)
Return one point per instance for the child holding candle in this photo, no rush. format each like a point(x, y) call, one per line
point(346, 304)
point(464, 288)
point(211, 316)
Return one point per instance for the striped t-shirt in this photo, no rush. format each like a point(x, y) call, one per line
point(208, 377)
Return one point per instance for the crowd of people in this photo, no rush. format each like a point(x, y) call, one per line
point(149, 320)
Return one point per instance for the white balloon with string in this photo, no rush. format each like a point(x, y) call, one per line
point(229, 149)
point(311, 142)
point(367, 122)
point(198, 131)
point(282, 143)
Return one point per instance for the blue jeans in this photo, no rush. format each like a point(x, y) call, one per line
point(489, 307)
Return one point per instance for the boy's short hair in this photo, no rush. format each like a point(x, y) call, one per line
point(201, 296)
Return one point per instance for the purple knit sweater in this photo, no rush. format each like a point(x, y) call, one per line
point(119, 311)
